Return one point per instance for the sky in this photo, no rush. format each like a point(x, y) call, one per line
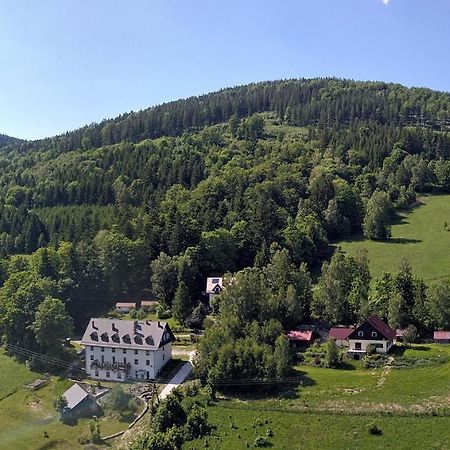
point(67, 63)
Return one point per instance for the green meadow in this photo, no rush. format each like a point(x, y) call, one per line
point(420, 236)
point(333, 408)
point(28, 420)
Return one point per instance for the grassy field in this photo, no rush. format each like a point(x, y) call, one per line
point(25, 415)
point(419, 237)
point(333, 408)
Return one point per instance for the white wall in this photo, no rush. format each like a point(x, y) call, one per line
point(143, 365)
point(365, 343)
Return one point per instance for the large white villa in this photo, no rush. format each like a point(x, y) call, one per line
point(120, 350)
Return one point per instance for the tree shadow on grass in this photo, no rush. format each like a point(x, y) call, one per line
point(285, 388)
point(401, 240)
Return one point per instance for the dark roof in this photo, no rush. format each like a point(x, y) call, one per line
point(149, 335)
point(383, 328)
point(441, 335)
point(75, 395)
point(299, 335)
point(340, 333)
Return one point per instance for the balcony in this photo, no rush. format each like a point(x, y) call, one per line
point(125, 367)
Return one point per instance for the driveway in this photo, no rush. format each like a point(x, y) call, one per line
point(178, 378)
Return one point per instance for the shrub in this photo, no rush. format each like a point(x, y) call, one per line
point(374, 430)
point(261, 441)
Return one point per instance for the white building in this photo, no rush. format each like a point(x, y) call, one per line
point(121, 350)
point(214, 286)
point(373, 331)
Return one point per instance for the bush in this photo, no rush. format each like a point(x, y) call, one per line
point(374, 430)
point(197, 422)
point(261, 441)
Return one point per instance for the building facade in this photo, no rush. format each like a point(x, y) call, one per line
point(214, 286)
point(373, 331)
point(121, 350)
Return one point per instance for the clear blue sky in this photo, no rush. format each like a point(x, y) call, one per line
point(65, 63)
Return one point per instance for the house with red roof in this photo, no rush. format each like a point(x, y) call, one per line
point(373, 331)
point(441, 337)
point(300, 338)
point(340, 335)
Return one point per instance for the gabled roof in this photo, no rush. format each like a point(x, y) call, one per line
point(340, 333)
point(441, 335)
point(299, 335)
point(148, 335)
point(75, 395)
point(377, 324)
point(212, 283)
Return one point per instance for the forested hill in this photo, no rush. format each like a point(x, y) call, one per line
point(8, 140)
point(323, 102)
point(158, 200)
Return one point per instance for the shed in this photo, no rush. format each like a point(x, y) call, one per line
point(79, 403)
point(125, 306)
point(441, 337)
point(340, 335)
point(300, 338)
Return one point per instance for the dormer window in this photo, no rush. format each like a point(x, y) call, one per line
point(94, 336)
point(126, 339)
point(149, 340)
point(104, 337)
point(138, 340)
point(374, 334)
point(115, 338)
point(360, 334)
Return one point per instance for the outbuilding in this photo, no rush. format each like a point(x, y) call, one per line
point(300, 338)
point(340, 335)
point(441, 337)
point(79, 403)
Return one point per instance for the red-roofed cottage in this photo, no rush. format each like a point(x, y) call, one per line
point(441, 337)
point(340, 335)
point(300, 338)
point(373, 331)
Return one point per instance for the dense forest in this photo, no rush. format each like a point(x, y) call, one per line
point(260, 177)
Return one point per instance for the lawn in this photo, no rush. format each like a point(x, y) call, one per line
point(332, 408)
point(25, 415)
point(418, 236)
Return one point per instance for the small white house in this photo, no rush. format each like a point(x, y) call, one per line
point(373, 331)
point(214, 286)
point(120, 350)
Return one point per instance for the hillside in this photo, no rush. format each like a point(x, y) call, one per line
point(420, 236)
point(257, 176)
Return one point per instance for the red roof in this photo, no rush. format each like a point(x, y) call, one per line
point(441, 335)
point(381, 327)
point(303, 335)
point(340, 333)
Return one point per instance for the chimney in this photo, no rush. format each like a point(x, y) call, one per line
point(94, 326)
point(114, 328)
point(159, 324)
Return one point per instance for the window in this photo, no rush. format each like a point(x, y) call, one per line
point(103, 359)
point(147, 352)
point(147, 362)
point(164, 356)
point(119, 375)
point(135, 352)
point(124, 360)
point(113, 350)
point(124, 351)
point(114, 359)
point(357, 345)
point(108, 374)
point(92, 348)
point(379, 345)
point(360, 334)
point(102, 349)
point(374, 334)
point(92, 357)
point(96, 373)
point(136, 362)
